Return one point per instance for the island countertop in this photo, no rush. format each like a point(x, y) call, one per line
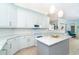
point(49, 40)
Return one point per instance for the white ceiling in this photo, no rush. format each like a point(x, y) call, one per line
point(71, 10)
point(42, 8)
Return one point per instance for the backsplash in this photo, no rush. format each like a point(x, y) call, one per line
point(29, 31)
point(22, 31)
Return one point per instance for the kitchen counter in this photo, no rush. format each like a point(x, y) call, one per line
point(4, 39)
point(49, 40)
point(49, 45)
point(2, 42)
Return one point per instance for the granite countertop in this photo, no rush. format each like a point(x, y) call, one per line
point(2, 42)
point(4, 39)
point(49, 40)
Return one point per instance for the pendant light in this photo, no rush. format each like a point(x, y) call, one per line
point(52, 9)
point(60, 13)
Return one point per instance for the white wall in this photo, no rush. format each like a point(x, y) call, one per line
point(71, 10)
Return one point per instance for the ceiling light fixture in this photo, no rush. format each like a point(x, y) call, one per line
point(52, 9)
point(60, 13)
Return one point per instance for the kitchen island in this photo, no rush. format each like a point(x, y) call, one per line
point(49, 45)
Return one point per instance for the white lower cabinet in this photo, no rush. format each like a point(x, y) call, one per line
point(13, 47)
point(3, 52)
point(26, 41)
point(30, 41)
point(5, 49)
point(15, 44)
point(22, 42)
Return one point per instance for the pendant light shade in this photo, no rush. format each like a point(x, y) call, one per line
point(60, 13)
point(52, 9)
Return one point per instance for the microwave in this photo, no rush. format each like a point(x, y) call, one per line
point(36, 25)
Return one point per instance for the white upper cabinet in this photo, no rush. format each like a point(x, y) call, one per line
point(7, 15)
point(3, 15)
point(21, 18)
point(12, 15)
point(27, 19)
point(43, 21)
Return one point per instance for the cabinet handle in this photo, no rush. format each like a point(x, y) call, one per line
point(10, 23)
point(10, 46)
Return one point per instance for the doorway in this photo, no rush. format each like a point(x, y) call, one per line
point(73, 28)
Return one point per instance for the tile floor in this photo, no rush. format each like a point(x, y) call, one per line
point(74, 48)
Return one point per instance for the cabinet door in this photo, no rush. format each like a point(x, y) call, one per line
point(3, 52)
point(21, 18)
point(43, 21)
point(4, 15)
point(13, 46)
point(5, 49)
point(26, 18)
point(23, 42)
point(12, 15)
point(8, 15)
point(31, 17)
point(30, 41)
point(26, 42)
